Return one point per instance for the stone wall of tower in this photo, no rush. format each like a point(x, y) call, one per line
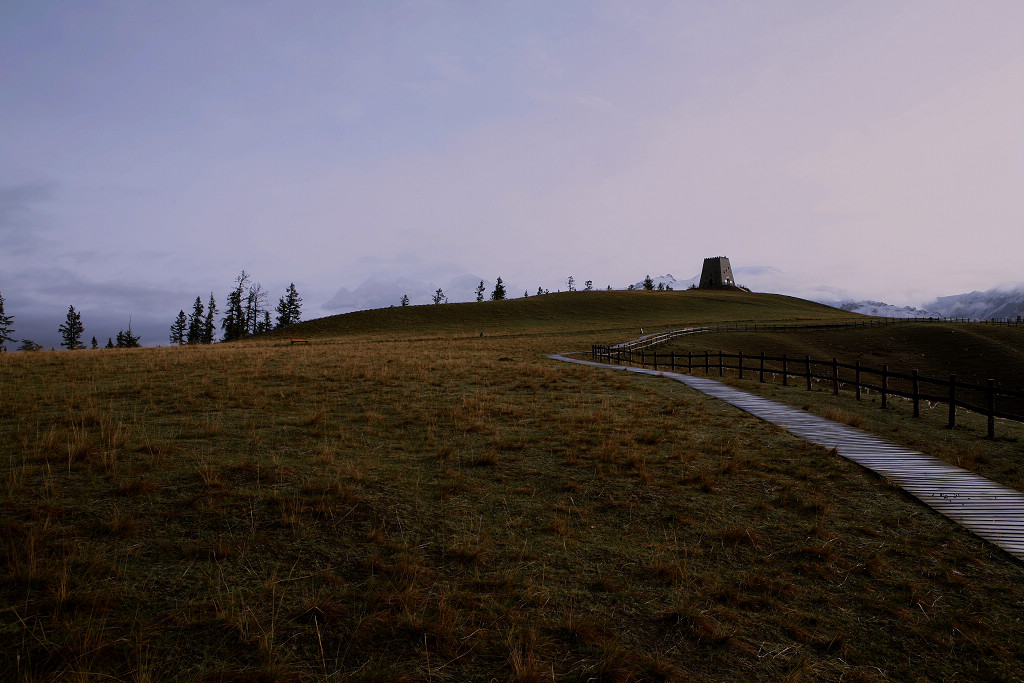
point(717, 272)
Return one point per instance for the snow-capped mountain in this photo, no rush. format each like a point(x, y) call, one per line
point(993, 303)
point(882, 309)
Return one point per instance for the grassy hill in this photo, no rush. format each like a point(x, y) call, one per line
point(592, 313)
point(404, 499)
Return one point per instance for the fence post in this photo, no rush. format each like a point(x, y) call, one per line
point(835, 376)
point(707, 362)
point(655, 360)
point(643, 358)
point(857, 380)
point(762, 366)
point(741, 364)
point(785, 379)
point(720, 368)
point(991, 400)
point(807, 367)
point(952, 402)
point(689, 362)
point(672, 360)
point(885, 387)
point(917, 402)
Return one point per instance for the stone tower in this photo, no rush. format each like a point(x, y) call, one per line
point(716, 273)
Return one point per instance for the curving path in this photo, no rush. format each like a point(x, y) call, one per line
point(990, 510)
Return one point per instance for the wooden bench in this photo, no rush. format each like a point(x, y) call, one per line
point(300, 341)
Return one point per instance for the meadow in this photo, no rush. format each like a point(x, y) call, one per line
point(420, 494)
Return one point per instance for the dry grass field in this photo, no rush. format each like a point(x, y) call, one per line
point(410, 500)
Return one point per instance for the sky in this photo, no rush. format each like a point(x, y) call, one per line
point(149, 152)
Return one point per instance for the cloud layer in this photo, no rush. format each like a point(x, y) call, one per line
point(151, 152)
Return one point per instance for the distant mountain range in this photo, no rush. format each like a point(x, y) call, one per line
point(993, 303)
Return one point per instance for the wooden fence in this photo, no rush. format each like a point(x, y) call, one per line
point(650, 340)
point(913, 386)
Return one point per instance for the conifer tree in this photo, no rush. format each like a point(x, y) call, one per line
point(499, 291)
point(572, 283)
point(127, 340)
point(5, 326)
point(195, 323)
point(28, 345)
point(405, 299)
point(648, 283)
point(264, 325)
point(480, 291)
point(439, 297)
point(95, 344)
point(71, 330)
point(235, 324)
point(588, 286)
point(255, 307)
point(289, 307)
point(110, 343)
point(209, 326)
point(178, 329)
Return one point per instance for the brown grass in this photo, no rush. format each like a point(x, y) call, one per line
point(421, 509)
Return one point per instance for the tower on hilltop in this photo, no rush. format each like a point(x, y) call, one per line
point(716, 273)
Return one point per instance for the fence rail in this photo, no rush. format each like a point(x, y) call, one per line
point(977, 398)
point(650, 340)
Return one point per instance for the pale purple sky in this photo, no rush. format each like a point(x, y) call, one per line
point(150, 151)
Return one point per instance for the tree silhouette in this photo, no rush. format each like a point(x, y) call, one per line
point(499, 291)
point(289, 307)
point(209, 326)
point(648, 283)
point(5, 326)
point(71, 330)
point(180, 328)
point(480, 291)
point(195, 323)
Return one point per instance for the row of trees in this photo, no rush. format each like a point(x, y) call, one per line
point(246, 314)
point(72, 329)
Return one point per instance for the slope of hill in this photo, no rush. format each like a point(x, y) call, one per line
point(594, 313)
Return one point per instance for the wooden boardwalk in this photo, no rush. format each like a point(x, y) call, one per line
point(990, 510)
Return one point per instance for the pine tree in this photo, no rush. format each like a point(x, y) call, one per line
point(5, 326)
point(28, 345)
point(195, 323)
point(71, 330)
point(499, 291)
point(572, 283)
point(588, 286)
point(255, 307)
point(405, 299)
point(648, 283)
point(127, 340)
point(209, 326)
point(480, 291)
point(289, 307)
point(95, 344)
point(540, 290)
point(110, 343)
point(235, 324)
point(179, 328)
point(264, 325)
point(439, 297)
